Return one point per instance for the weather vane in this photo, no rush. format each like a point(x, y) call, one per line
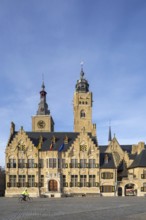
point(43, 77)
point(81, 63)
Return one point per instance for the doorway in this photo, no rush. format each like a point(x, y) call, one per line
point(52, 186)
point(119, 191)
point(130, 190)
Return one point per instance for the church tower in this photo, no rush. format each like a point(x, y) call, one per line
point(83, 106)
point(43, 121)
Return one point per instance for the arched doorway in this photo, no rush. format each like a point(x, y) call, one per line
point(119, 191)
point(130, 190)
point(52, 185)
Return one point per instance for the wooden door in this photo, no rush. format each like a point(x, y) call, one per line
point(52, 185)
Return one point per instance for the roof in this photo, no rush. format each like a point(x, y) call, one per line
point(122, 169)
point(47, 137)
point(109, 164)
point(140, 160)
point(127, 148)
point(103, 148)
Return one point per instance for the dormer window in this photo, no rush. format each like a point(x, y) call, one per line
point(106, 159)
point(82, 114)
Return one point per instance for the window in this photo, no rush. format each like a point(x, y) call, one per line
point(41, 163)
point(31, 180)
point(91, 163)
point(30, 163)
point(106, 159)
point(83, 147)
point(59, 163)
point(74, 180)
point(82, 114)
point(107, 175)
point(74, 163)
point(107, 189)
point(65, 184)
point(63, 165)
point(52, 162)
point(21, 180)
point(83, 163)
point(42, 181)
point(12, 163)
point(143, 176)
point(83, 179)
point(92, 180)
point(12, 180)
point(21, 163)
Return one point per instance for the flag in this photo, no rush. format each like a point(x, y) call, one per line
point(40, 142)
point(61, 147)
point(51, 146)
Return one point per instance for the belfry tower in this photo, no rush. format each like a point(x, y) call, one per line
point(82, 103)
point(43, 121)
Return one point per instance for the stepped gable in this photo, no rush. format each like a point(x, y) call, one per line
point(59, 139)
point(47, 139)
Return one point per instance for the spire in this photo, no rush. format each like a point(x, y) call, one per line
point(109, 135)
point(43, 86)
point(82, 72)
point(82, 84)
point(43, 106)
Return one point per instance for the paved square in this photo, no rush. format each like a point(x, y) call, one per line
point(101, 208)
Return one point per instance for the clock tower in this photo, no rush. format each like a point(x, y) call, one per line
point(42, 121)
point(83, 106)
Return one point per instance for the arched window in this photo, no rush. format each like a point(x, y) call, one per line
point(82, 114)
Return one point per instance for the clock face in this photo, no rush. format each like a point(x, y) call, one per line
point(41, 124)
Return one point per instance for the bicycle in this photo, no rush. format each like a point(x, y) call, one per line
point(27, 199)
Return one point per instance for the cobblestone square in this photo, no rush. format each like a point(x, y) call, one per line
point(101, 208)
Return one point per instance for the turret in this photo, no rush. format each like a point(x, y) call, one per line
point(83, 106)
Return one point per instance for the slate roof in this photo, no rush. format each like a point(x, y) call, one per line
point(103, 148)
point(127, 148)
point(132, 156)
point(110, 163)
point(59, 139)
point(140, 160)
point(122, 169)
point(47, 139)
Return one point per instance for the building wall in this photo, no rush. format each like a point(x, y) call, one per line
point(2, 181)
point(21, 148)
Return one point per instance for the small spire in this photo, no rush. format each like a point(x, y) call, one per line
point(43, 106)
point(82, 84)
point(82, 72)
point(43, 85)
point(109, 134)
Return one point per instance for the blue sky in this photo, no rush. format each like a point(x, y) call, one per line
point(52, 37)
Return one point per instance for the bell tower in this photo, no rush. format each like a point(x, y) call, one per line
point(82, 104)
point(43, 121)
